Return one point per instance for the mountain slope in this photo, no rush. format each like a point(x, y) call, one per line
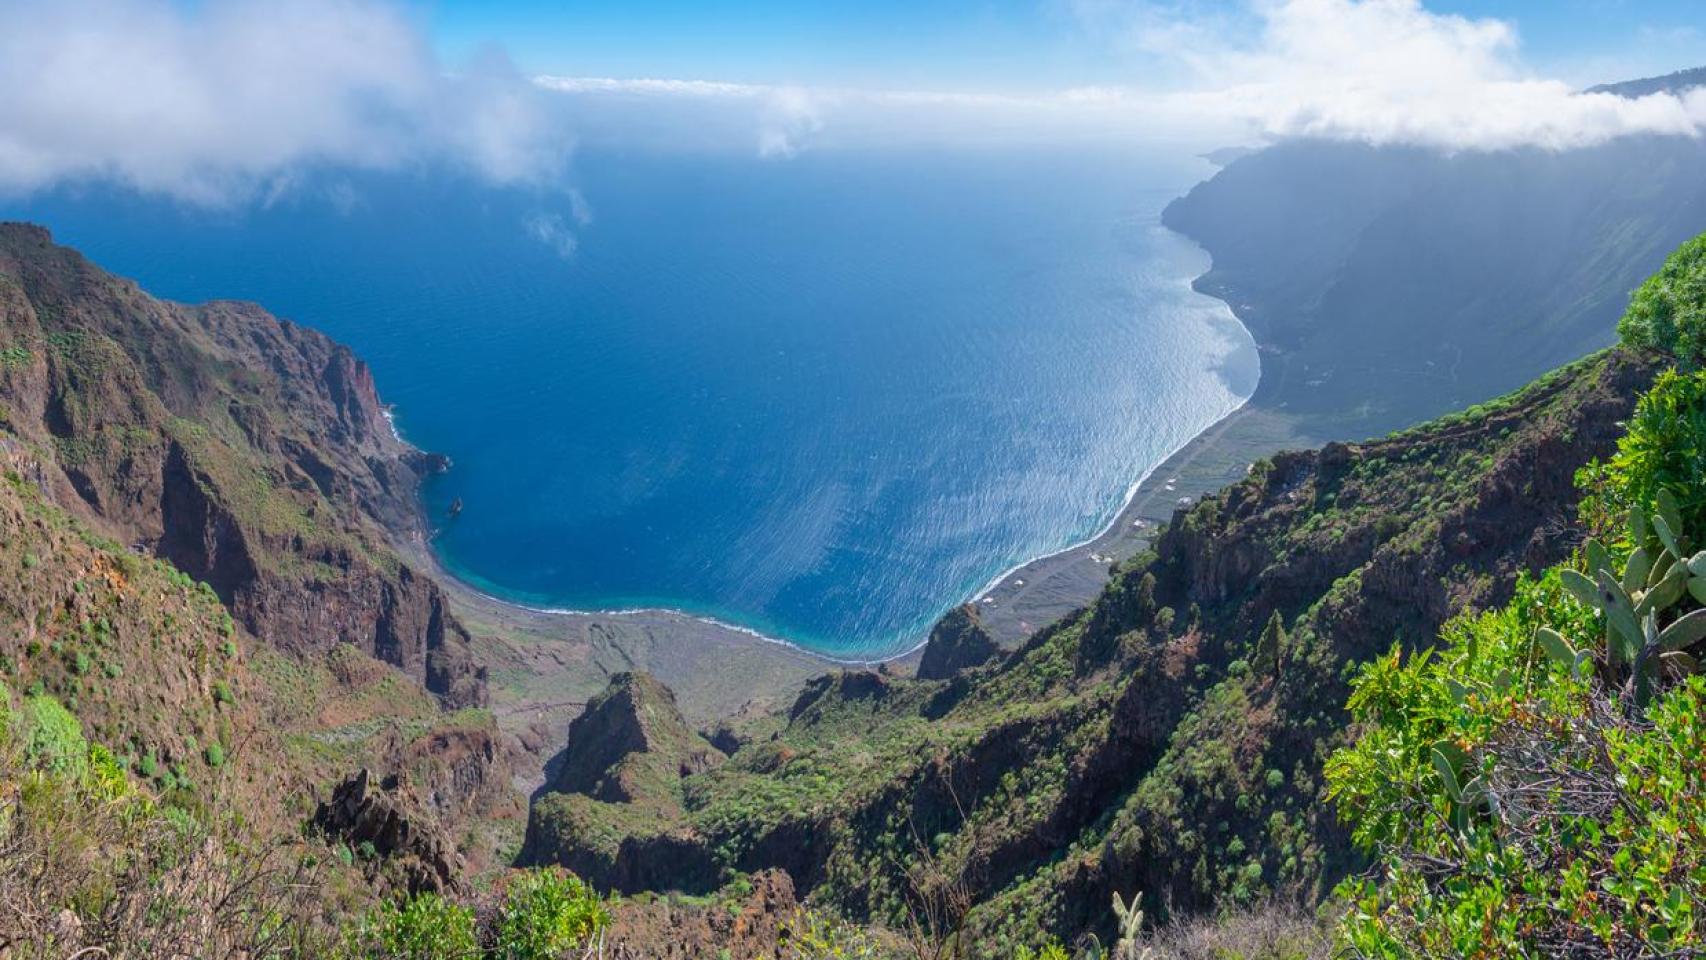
point(1169, 739)
point(249, 452)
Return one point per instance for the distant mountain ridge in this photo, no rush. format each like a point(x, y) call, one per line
point(1390, 285)
point(1669, 83)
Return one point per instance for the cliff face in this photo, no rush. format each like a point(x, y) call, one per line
point(1389, 285)
point(251, 453)
point(1169, 739)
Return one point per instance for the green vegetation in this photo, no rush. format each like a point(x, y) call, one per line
point(1668, 312)
point(423, 927)
point(53, 739)
point(88, 858)
point(1533, 785)
point(815, 935)
point(547, 914)
point(542, 915)
point(1664, 450)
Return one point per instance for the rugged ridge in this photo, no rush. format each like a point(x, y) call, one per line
point(631, 744)
point(248, 451)
point(616, 794)
point(957, 643)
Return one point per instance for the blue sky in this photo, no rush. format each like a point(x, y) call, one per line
point(982, 44)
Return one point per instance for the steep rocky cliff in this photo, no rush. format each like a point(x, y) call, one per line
point(1168, 739)
point(1388, 285)
point(251, 453)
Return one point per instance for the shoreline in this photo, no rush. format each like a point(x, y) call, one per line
point(443, 573)
point(1014, 603)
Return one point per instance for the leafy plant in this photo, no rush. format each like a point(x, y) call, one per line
point(1663, 449)
point(423, 927)
point(815, 935)
point(547, 913)
point(53, 739)
point(1532, 786)
point(1668, 311)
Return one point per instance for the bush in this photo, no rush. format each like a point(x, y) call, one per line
point(425, 927)
point(1533, 785)
point(1519, 807)
point(1668, 312)
point(53, 739)
point(546, 914)
point(814, 935)
point(1664, 449)
point(215, 755)
point(90, 865)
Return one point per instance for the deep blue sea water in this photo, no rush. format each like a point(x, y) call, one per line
point(825, 398)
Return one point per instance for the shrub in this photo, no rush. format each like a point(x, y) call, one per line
point(814, 935)
point(83, 850)
point(215, 755)
point(425, 927)
point(53, 739)
point(1668, 312)
point(1517, 805)
point(1532, 786)
point(547, 913)
point(1664, 449)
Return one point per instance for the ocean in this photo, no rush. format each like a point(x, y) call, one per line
point(823, 398)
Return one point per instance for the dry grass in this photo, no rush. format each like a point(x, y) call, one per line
point(1277, 930)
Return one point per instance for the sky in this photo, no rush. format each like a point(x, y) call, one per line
point(233, 102)
point(1004, 45)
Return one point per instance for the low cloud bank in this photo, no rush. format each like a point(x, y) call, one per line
point(1378, 71)
point(225, 102)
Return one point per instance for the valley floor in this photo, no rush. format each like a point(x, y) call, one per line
point(544, 665)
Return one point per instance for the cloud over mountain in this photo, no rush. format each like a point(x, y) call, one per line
point(1388, 71)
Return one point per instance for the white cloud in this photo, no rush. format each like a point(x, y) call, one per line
point(1380, 71)
point(791, 117)
point(781, 119)
point(229, 100)
point(1388, 71)
point(551, 230)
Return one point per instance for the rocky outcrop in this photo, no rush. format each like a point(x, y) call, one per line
point(388, 829)
point(840, 687)
point(957, 643)
point(612, 808)
point(755, 926)
point(630, 744)
point(250, 452)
